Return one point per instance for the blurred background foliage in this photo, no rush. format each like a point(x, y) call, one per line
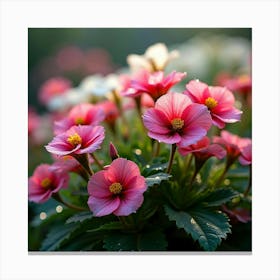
point(77, 52)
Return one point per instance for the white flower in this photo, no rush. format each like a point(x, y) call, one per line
point(155, 58)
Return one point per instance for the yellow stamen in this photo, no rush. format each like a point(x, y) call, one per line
point(177, 123)
point(115, 188)
point(211, 103)
point(79, 121)
point(45, 183)
point(74, 139)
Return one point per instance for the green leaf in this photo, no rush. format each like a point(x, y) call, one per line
point(146, 241)
point(157, 178)
point(206, 226)
point(56, 236)
point(219, 197)
point(80, 217)
point(109, 226)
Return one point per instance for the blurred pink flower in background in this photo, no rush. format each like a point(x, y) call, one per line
point(240, 83)
point(52, 88)
point(33, 120)
point(70, 58)
point(110, 109)
point(175, 119)
point(203, 149)
point(155, 84)
point(232, 143)
point(77, 140)
point(118, 189)
point(44, 182)
point(219, 101)
point(82, 114)
point(246, 155)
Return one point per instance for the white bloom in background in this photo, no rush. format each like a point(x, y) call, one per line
point(71, 97)
point(57, 103)
point(75, 96)
point(200, 56)
point(155, 58)
point(98, 85)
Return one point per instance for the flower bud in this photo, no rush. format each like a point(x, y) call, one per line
point(113, 151)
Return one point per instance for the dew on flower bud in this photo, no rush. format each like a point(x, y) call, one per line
point(59, 209)
point(43, 216)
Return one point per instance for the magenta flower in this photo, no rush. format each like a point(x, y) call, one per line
point(77, 140)
point(175, 119)
point(203, 150)
point(52, 88)
point(219, 101)
point(154, 84)
point(118, 189)
point(246, 155)
point(232, 143)
point(82, 114)
point(44, 182)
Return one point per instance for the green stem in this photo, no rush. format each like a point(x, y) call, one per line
point(249, 183)
point(139, 110)
point(96, 160)
point(58, 198)
point(156, 149)
point(84, 161)
point(172, 153)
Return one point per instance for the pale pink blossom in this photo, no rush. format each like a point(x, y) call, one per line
point(203, 150)
point(82, 114)
point(219, 101)
point(44, 182)
point(175, 119)
point(118, 189)
point(77, 140)
point(232, 143)
point(53, 88)
point(246, 155)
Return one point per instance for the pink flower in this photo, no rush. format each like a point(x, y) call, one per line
point(52, 88)
point(77, 140)
point(232, 143)
point(33, 121)
point(154, 84)
point(118, 189)
point(44, 182)
point(246, 155)
point(219, 101)
point(82, 114)
point(203, 150)
point(242, 83)
point(175, 119)
point(111, 111)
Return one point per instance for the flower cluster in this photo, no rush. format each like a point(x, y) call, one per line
point(147, 113)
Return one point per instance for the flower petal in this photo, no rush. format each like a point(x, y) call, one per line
point(103, 206)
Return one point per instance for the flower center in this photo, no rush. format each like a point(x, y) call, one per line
point(74, 139)
point(79, 120)
point(177, 124)
point(211, 103)
point(45, 183)
point(115, 188)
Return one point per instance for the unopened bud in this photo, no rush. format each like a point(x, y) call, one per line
point(113, 151)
